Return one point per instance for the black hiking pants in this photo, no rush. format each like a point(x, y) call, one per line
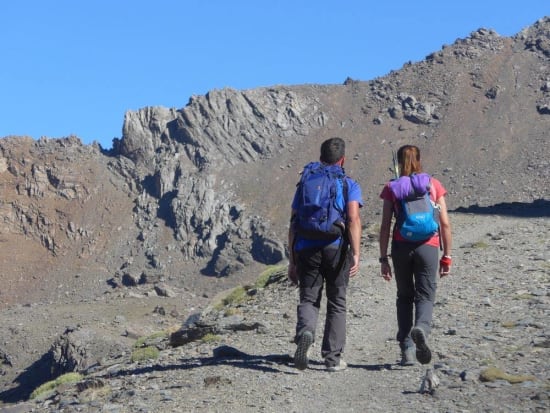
point(318, 268)
point(415, 268)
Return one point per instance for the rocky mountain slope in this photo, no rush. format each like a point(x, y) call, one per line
point(193, 201)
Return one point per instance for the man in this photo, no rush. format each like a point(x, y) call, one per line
point(329, 263)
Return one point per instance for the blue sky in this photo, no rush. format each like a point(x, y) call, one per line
point(76, 66)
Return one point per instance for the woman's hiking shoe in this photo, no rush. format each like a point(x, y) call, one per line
point(342, 365)
point(423, 352)
point(408, 357)
point(301, 357)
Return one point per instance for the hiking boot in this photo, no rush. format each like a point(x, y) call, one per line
point(342, 365)
point(301, 357)
point(408, 357)
point(423, 352)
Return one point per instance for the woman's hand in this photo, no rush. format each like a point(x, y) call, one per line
point(445, 265)
point(385, 270)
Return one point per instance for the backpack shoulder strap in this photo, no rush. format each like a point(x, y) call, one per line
point(345, 188)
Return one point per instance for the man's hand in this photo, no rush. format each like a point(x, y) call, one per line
point(292, 274)
point(385, 270)
point(354, 270)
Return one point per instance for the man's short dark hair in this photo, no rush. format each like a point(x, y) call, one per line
point(332, 150)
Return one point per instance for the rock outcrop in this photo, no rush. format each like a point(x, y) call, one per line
point(182, 155)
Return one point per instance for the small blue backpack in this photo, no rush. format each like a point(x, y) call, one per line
point(418, 219)
point(321, 205)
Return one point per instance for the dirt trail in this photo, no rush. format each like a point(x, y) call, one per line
point(492, 312)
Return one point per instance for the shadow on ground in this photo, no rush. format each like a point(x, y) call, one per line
point(33, 376)
point(536, 209)
point(230, 356)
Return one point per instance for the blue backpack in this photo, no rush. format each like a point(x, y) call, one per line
point(418, 219)
point(321, 207)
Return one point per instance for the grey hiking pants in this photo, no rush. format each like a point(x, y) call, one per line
point(415, 268)
point(318, 268)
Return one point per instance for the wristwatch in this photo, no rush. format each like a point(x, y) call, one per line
point(383, 260)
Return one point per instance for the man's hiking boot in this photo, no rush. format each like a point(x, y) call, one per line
point(342, 365)
point(301, 357)
point(408, 357)
point(423, 352)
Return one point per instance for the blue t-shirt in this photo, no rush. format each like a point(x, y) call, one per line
point(354, 194)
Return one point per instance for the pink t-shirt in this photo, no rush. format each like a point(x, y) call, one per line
point(436, 191)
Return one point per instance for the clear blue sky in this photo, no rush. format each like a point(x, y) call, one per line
point(76, 66)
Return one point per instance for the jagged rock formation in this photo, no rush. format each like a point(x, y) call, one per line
point(182, 154)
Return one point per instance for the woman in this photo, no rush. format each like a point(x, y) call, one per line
point(415, 262)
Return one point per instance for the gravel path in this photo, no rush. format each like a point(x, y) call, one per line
point(492, 312)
